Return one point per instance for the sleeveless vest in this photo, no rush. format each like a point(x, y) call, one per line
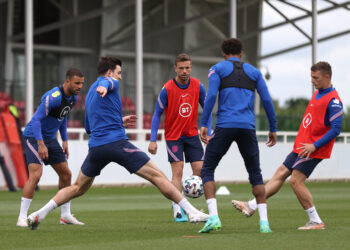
point(181, 113)
point(63, 110)
point(238, 78)
point(312, 127)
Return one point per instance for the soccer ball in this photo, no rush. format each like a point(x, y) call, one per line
point(193, 186)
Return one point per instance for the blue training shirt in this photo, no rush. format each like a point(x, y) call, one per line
point(44, 126)
point(333, 118)
point(162, 103)
point(104, 116)
point(236, 105)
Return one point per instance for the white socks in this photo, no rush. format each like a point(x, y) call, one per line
point(212, 207)
point(45, 210)
point(186, 205)
point(65, 209)
point(176, 209)
point(313, 215)
point(252, 204)
point(25, 204)
point(262, 208)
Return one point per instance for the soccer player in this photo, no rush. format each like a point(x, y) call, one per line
point(236, 83)
point(109, 143)
point(42, 147)
point(179, 100)
point(320, 126)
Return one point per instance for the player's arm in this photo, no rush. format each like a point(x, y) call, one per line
point(202, 96)
point(48, 102)
point(36, 127)
point(269, 109)
point(87, 125)
point(214, 84)
point(162, 103)
point(64, 136)
point(335, 111)
point(104, 86)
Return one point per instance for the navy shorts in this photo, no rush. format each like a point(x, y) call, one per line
point(218, 146)
point(191, 146)
point(56, 154)
point(121, 152)
point(305, 166)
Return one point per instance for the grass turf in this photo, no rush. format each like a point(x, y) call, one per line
point(140, 218)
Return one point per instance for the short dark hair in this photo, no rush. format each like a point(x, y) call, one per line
point(73, 72)
point(232, 46)
point(106, 63)
point(324, 67)
point(182, 58)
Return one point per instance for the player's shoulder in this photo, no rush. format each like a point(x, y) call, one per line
point(53, 94)
point(252, 71)
point(195, 80)
point(336, 103)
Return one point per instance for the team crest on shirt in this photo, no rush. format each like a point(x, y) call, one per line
point(56, 93)
point(185, 109)
point(65, 111)
point(307, 120)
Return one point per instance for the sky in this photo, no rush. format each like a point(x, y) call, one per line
point(290, 72)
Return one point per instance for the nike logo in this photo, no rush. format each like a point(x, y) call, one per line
point(184, 95)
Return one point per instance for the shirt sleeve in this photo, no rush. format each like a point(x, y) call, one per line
point(202, 96)
point(214, 84)
point(162, 102)
point(87, 125)
point(63, 130)
point(335, 114)
point(48, 102)
point(267, 102)
point(108, 83)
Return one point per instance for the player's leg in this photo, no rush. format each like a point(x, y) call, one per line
point(216, 149)
point(177, 170)
point(34, 163)
point(248, 147)
point(65, 176)
point(194, 154)
point(35, 172)
point(82, 184)
point(95, 161)
point(175, 157)
point(304, 196)
point(150, 172)
point(271, 187)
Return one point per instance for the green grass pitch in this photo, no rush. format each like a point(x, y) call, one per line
point(140, 218)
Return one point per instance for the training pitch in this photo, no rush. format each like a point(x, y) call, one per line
point(140, 218)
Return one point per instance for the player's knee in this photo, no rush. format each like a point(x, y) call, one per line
point(34, 177)
point(256, 179)
point(282, 173)
point(66, 176)
point(207, 175)
point(294, 182)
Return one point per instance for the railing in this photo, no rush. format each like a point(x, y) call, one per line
point(143, 134)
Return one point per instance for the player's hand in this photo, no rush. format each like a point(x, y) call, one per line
point(102, 91)
point(65, 149)
point(307, 150)
point(152, 147)
point(204, 135)
point(272, 139)
point(42, 150)
point(129, 120)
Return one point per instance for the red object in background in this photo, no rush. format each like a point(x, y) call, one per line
point(12, 140)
